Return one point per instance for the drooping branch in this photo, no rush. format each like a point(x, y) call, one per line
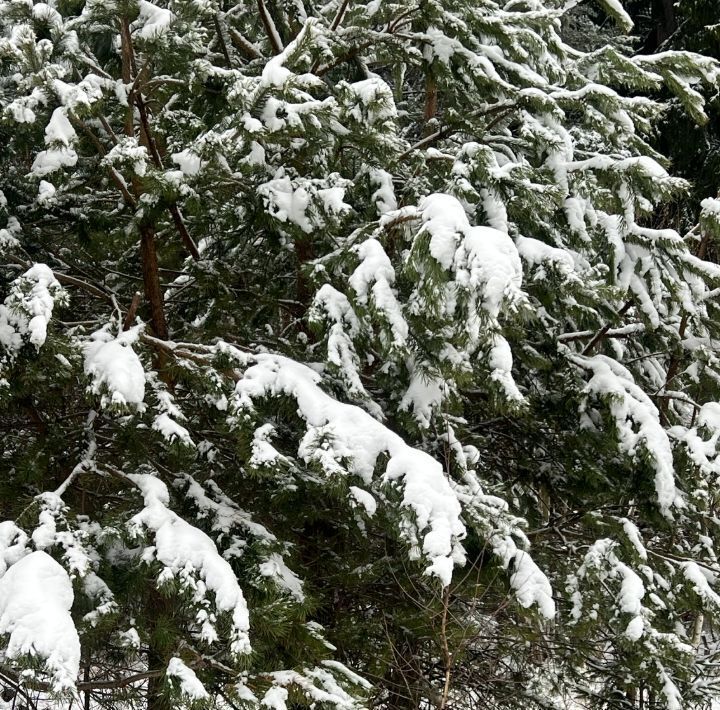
point(674, 364)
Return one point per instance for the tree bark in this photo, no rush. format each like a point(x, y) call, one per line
point(431, 102)
point(151, 281)
point(664, 24)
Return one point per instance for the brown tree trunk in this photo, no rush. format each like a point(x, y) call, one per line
point(431, 102)
point(155, 697)
point(160, 647)
point(151, 281)
point(664, 24)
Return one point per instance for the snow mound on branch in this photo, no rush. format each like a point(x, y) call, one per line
point(274, 567)
point(602, 563)
point(482, 258)
point(40, 302)
point(152, 21)
point(275, 698)
point(35, 599)
point(487, 270)
point(9, 234)
point(28, 308)
point(371, 101)
point(185, 550)
point(537, 254)
point(375, 275)
point(295, 201)
point(13, 544)
point(60, 137)
point(113, 364)
point(190, 684)
point(171, 430)
point(637, 422)
point(530, 584)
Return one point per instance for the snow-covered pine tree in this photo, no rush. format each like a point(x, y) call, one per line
point(691, 25)
point(340, 366)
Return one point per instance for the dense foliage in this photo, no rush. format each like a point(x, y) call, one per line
point(348, 358)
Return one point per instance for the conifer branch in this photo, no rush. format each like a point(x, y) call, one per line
point(114, 175)
point(674, 364)
point(243, 44)
point(152, 146)
point(128, 71)
point(349, 56)
point(85, 685)
point(503, 110)
point(68, 280)
point(183, 231)
point(108, 129)
point(333, 27)
point(404, 16)
point(121, 682)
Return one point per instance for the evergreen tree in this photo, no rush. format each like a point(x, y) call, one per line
point(340, 365)
point(693, 150)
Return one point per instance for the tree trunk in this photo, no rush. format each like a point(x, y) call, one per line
point(664, 24)
point(151, 281)
point(431, 102)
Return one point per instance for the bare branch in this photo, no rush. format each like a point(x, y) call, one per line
point(130, 315)
point(243, 44)
point(270, 29)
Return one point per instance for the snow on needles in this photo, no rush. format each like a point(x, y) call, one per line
point(482, 257)
point(59, 137)
point(343, 438)
point(343, 432)
point(637, 421)
point(530, 584)
point(487, 268)
point(36, 595)
point(152, 21)
point(28, 308)
point(190, 684)
point(275, 567)
point(187, 551)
